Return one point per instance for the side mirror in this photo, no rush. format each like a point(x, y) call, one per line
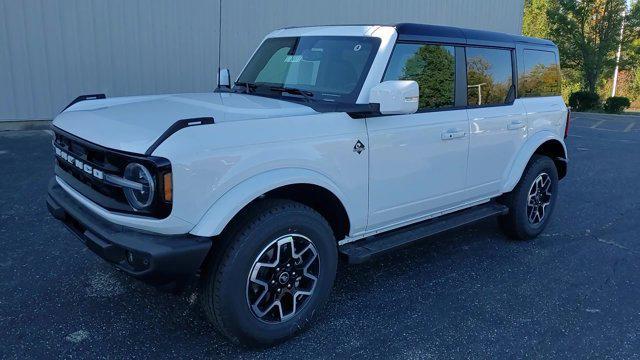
point(224, 78)
point(396, 97)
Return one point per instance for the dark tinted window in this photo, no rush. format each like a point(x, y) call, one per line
point(541, 75)
point(489, 76)
point(331, 67)
point(431, 66)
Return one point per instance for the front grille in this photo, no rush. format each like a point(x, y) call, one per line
point(107, 161)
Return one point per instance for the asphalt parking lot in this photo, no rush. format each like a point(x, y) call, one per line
point(573, 292)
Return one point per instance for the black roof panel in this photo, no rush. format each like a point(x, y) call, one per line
point(448, 34)
point(433, 33)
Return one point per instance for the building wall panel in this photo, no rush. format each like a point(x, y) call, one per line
point(53, 51)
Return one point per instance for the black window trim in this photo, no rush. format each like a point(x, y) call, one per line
point(460, 97)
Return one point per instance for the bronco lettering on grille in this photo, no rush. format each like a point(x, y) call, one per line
point(97, 173)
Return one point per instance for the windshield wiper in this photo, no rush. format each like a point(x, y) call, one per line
point(305, 94)
point(249, 87)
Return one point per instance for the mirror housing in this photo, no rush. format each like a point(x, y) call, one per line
point(224, 78)
point(396, 97)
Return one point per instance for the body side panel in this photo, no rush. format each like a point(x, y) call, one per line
point(493, 145)
point(210, 161)
point(524, 155)
point(413, 170)
point(546, 113)
point(231, 202)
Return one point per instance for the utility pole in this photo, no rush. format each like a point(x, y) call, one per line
point(617, 70)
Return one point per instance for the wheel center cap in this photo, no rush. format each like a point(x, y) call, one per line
point(284, 278)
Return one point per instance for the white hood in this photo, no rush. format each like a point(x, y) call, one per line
point(134, 123)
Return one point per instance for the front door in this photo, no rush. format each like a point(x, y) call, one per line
point(417, 165)
point(418, 162)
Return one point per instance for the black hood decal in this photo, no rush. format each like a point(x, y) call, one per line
point(177, 126)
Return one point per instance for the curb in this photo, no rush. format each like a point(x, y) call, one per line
point(25, 125)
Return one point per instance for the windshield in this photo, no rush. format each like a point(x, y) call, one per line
point(312, 68)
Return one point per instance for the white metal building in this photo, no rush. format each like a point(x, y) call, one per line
point(54, 50)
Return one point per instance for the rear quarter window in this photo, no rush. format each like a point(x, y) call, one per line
point(541, 74)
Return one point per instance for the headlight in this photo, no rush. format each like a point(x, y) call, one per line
point(139, 198)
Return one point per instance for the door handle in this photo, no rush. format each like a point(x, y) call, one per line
point(452, 134)
point(516, 124)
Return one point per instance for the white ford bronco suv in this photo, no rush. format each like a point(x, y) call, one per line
point(334, 142)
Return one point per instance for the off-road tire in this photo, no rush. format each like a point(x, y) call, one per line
point(516, 223)
point(225, 278)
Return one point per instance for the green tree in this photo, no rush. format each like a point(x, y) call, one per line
point(631, 40)
point(535, 21)
point(587, 33)
point(536, 24)
point(433, 68)
point(634, 87)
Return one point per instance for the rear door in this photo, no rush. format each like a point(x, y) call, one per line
point(498, 122)
point(418, 162)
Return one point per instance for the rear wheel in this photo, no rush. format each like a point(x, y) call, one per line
point(532, 201)
point(276, 270)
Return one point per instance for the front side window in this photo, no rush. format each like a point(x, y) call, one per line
point(489, 76)
point(433, 67)
point(329, 68)
point(541, 75)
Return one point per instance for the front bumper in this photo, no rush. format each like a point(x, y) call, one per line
point(153, 258)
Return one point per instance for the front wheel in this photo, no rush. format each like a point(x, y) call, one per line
point(532, 201)
point(277, 269)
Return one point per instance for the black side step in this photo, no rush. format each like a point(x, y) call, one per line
point(360, 251)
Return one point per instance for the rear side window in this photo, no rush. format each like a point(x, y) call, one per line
point(541, 75)
point(433, 67)
point(489, 76)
